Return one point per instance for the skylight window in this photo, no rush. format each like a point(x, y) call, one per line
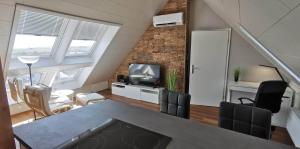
point(80, 47)
point(36, 33)
point(33, 45)
point(84, 39)
point(61, 41)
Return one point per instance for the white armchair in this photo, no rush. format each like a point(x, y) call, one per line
point(16, 89)
point(19, 87)
point(13, 90)
point(38, 98)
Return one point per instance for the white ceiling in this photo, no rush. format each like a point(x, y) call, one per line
point(134, 16)
point(275, 23)
point(259, 15)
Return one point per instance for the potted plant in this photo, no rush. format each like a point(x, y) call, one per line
point(171, 80)
point(236, 74)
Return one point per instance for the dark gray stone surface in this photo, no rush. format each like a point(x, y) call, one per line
point(49, 132)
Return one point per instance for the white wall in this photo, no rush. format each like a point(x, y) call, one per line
point(242, 54)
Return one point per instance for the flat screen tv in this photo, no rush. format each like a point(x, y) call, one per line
point(145, 74)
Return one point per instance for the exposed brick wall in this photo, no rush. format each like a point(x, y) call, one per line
point(165, 46)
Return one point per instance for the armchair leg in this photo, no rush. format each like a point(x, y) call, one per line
point(34, 114)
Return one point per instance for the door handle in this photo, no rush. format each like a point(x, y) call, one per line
point(193, 69)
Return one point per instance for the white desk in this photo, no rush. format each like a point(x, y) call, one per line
point(249, 89)
point(293, 126)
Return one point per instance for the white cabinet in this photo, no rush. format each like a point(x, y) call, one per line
point(138, 92)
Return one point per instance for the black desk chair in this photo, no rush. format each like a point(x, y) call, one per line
point(245, 119)
point(174, 103)
point(268, 96)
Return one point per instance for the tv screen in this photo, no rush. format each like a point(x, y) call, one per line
point(146, 74)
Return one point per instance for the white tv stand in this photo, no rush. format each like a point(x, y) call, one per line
point(138, 92)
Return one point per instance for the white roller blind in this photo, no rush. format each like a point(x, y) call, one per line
point(87, 31)
point(38, 24)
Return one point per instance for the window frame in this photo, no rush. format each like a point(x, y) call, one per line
point(17, 14)
point(91, 50)
point(45, 56)
point(58, 40)
point(94, 47)
point(60, 61)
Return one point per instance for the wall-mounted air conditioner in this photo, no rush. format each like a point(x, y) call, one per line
point(168, 20)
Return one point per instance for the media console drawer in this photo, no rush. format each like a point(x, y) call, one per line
point(118, 90)
point(132, 92)
point(150, 95)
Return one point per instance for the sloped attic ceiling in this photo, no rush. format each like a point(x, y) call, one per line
point(134, 16)
point(274, 23)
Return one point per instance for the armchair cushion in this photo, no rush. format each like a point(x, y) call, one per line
point(89, 98)
point(19, 86)
point(60, 103)
point(38, 98)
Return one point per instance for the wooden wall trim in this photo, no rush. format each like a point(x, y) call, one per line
point(6, 133)
point(188, 48)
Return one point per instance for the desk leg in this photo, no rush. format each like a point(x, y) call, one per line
point(230, 94)
point(19, 145)
point(22, 146)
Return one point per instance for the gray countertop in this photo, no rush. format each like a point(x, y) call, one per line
point(49, 132)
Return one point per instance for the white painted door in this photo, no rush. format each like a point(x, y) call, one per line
point(209, 62)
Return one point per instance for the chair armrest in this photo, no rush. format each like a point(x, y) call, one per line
point(249, 99)
point(285, 97)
